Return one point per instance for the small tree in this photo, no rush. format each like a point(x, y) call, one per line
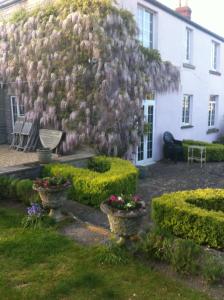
point(77, 66)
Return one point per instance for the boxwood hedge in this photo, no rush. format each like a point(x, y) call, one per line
point(106, 176)
point(214, 152)
point(196, 215)
point(17, 189)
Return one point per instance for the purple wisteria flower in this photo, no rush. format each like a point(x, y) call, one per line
point(34, 210)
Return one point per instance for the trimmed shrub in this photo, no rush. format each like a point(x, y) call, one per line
point(214, 152)
point(91, 187)
point(21, 190)
point(196, 215)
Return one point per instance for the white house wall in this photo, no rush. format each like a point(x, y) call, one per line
point(170, 41)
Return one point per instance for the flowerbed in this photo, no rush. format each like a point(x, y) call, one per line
point(214, 152)
point(196, 215)
point(107, 176)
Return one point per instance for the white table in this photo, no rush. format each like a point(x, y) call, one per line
point(197, 153)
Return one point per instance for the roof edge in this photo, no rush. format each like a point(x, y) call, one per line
point(175, 14)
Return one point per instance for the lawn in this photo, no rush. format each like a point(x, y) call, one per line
point(41, 264)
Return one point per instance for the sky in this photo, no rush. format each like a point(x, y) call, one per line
point(208, 13)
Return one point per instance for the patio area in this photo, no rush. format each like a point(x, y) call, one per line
point(165, 177)
point(10, 157)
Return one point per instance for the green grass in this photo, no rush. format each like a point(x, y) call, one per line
point(42, 264)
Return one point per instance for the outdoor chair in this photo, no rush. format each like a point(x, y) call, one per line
point(173, 149)
point(16, 132)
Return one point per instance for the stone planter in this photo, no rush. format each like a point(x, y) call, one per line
point(124, 224)
point(53, 198)
point(44, 155)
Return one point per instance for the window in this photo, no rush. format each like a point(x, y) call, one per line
point(212, 107)
point(215, 56)
point(188, 54)
point(17, 109)
point(146, 27)
point(186, 109)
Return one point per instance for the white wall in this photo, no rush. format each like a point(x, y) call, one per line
point(170, 41)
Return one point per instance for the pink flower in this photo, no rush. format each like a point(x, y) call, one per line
point(136, 198)
point(113, 198)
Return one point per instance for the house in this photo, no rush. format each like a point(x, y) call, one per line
point(196, 111)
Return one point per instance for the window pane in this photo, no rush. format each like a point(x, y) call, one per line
point(186, 110)
point(145, 25)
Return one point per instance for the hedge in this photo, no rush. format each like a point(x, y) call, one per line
point(106, 176)
point(196, 215)
point(214, 152)
point(16, 189)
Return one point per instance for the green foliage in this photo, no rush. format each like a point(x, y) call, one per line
point(214, 152)
point(185, 256)
point(20, 15)
point(196, 215)
point(43, 264)
point(213, 269)
point(99, 164)
point(112, 254)
point(90, 187)
point(151, 54)
point(16, 189)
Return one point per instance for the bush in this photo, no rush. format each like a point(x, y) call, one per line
point(213, 269)
point(91, 187)
point(196, 215)
point(21, 190)
point(214, 152)
point(99, 164)
point(185, 256)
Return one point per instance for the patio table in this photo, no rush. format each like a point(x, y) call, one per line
point(197, 153)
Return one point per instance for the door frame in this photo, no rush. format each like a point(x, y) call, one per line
point(148, 161)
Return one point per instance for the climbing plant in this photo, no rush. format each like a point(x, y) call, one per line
point(78, 66)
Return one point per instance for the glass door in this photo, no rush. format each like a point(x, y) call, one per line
point(145, 149)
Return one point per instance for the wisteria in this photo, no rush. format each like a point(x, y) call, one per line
point(85, 74)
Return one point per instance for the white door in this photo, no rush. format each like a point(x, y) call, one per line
point(145, 149)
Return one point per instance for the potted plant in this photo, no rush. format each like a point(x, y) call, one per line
point(125, 215)
point(52, 191)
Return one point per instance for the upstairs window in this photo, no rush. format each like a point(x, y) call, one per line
point(186, 109)
point(212, 108)
point(146, 27)
point(189, 39)
point(215, 59)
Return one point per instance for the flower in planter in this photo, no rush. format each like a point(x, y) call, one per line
point(125, 202)
point(52, 182)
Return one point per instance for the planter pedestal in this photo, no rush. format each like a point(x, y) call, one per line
point(124, 224)
point(53, 199)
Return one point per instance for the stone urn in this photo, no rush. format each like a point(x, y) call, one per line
point(125, 224)
point(44, 155)
point(53, 198)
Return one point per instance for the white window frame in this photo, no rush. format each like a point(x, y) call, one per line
point(187, 110)
point(19, 109)
point(215, 56)
point(141, 21)
point(189, 45)
point(212, 110)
